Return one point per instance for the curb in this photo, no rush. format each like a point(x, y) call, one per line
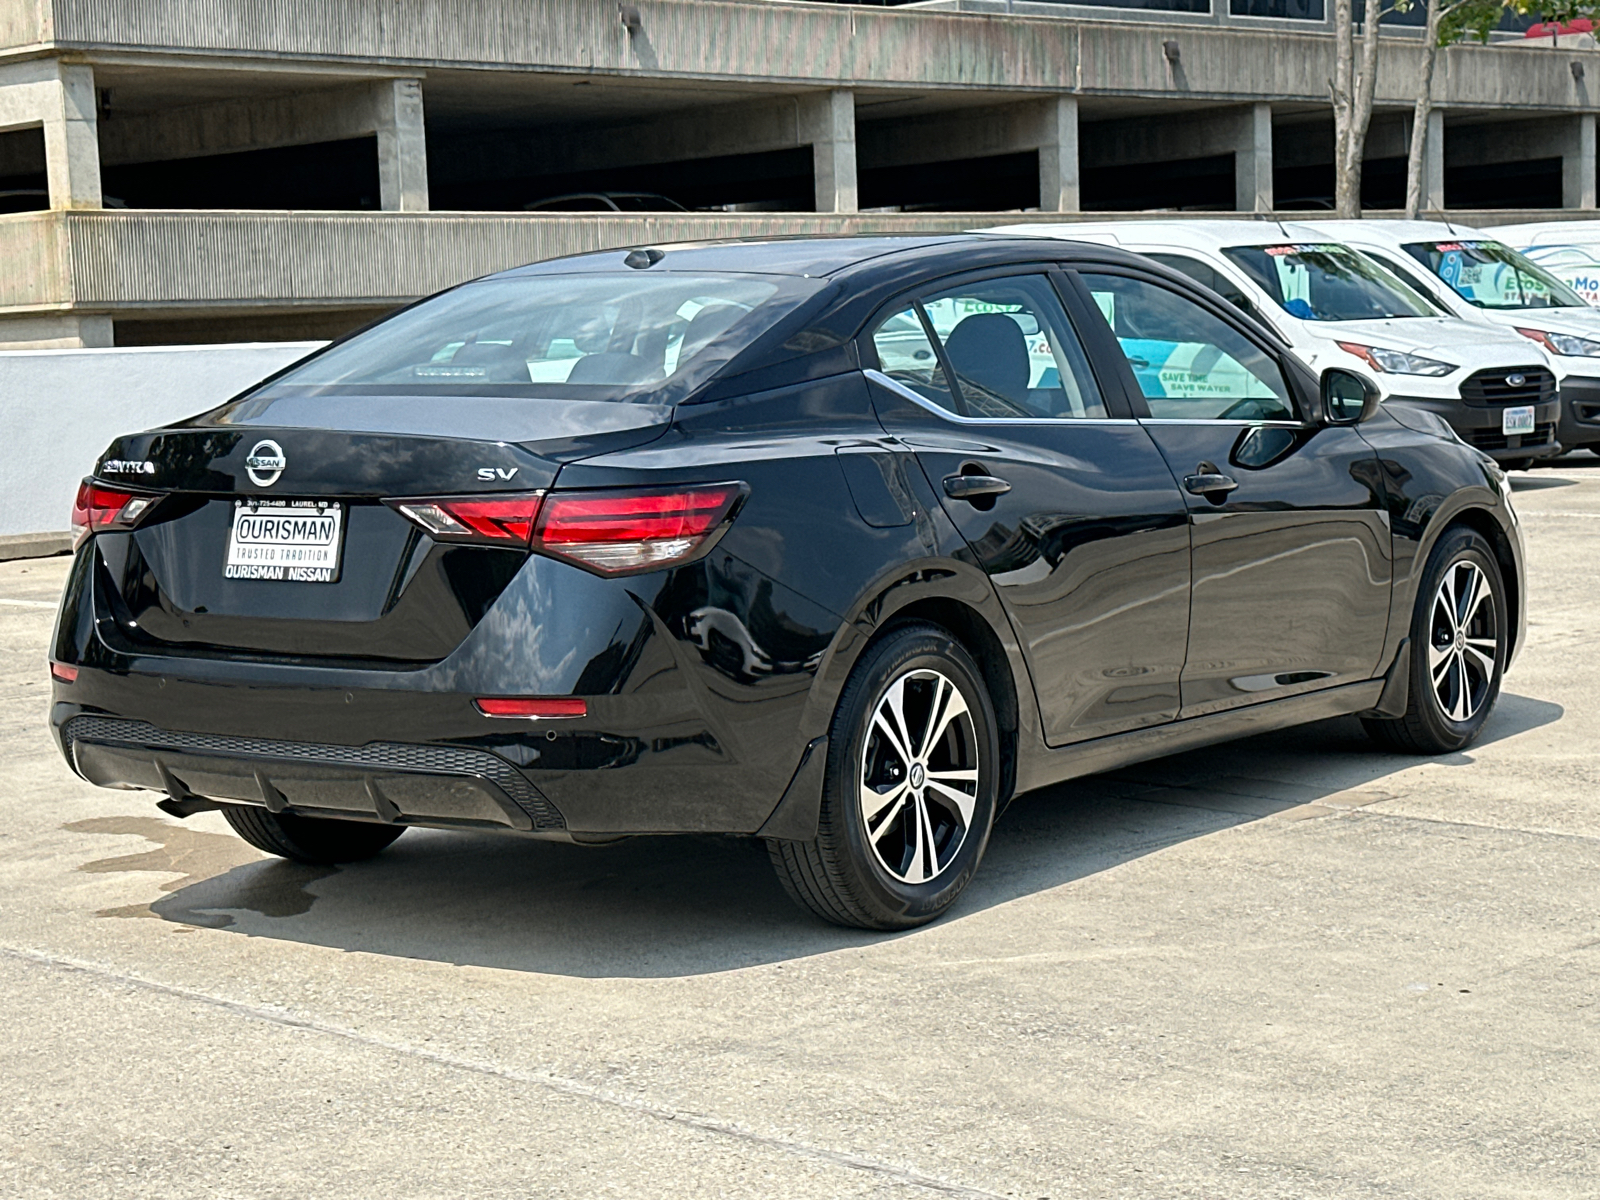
point(34, 545)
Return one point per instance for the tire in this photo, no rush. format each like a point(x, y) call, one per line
point(1453, 685)
point(925, 841)
point(318, 840)
point(1517, 464)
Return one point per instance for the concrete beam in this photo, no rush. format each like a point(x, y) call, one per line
point(56, 331)
point(59, 98)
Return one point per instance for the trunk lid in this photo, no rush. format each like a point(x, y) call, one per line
point(399, 598)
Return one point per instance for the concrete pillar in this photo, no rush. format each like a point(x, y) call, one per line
point(1252, 161)
point(1433, 163)
point(1058, 156)
point(402, 145)
point(828, 122)
point(60, 98)
point(1578, 165)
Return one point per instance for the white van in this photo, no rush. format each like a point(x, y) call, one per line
point(1569, 250)
point(1338, 308)
point(1477, 277)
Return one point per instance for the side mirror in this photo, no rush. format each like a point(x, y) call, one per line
point(1347, 398)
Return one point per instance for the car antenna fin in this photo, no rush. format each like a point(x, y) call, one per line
point(641, 260)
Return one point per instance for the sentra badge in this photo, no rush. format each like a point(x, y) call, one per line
point(265, 463)
point(128, 466)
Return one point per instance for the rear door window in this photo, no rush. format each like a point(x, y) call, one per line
point(1007, 343)
point(1189, 363)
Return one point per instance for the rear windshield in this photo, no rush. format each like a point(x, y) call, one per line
point(1490, 275)
point(624, 336)
point(1328, 283)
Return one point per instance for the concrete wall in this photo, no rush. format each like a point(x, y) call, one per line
point(61, 408)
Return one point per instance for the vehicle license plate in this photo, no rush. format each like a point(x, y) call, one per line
point(293, 540)
point(1517, 420)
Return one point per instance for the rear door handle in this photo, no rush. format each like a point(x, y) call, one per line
point(974, 487)
point(1209, 484)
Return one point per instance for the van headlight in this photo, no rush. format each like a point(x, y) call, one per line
point(1568, 345)
point(1397, 362)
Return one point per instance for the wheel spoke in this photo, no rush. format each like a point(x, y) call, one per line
point(1459, 710)
point(1484, 660)
point(1439, 661)
point(932, 858)
point(895, 703)
point(955, 706)
point(874, 802)
point(917, 870)
point(1447, 599)
point(1475, 598)
point(895, 742)
point(963, 802)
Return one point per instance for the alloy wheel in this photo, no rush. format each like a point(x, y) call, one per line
point(1463, 641)
point(919, 776)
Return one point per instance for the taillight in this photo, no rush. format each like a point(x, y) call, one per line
point(98, 507)
point(617, 531)
point(505, 520)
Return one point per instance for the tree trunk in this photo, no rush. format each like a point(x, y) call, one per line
point(1417, 156)
point(1346, 201)
point(1366, 85)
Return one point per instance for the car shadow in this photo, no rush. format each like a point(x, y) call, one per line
point(653, 907)
point(1535, 483)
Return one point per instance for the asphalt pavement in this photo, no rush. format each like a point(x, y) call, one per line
point(1287, 967)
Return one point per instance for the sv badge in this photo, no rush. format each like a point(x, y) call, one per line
point(490, 474)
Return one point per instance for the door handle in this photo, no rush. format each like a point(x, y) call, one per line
point(974, 487)
point(1209, 484)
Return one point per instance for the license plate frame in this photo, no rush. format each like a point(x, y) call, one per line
point(1517, 420)
point(286, 541)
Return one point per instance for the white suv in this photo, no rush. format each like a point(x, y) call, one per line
point(1479, 278)
point(1338, 308)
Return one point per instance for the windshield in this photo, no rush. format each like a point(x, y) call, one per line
point(1489, 275)
point(1328, 283)
point(604, 336)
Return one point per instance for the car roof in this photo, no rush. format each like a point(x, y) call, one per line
point(813, 257)
point(1395, 233)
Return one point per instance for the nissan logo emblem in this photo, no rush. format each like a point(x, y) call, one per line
point(265, 463)
point(1516, 380)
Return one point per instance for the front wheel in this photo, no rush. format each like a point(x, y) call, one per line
point(910, 789)
point(1460, 632)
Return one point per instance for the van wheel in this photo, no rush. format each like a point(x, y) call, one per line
point(317, 840)
point(1459, 634)
point(910, 788)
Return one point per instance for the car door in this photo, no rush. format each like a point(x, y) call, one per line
point(1291, 545)
point(1062, 497)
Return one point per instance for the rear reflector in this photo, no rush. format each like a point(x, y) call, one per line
point(98, 507)
point(615, 532)
point(532, 706)
point(485, 520)
point(63, 673)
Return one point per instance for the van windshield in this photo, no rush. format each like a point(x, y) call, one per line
point(602, 336)
point(1328, 283)
point(1489, 275)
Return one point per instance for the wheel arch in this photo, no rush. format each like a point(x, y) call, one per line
point(1481, 521)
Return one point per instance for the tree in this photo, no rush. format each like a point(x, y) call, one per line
point(1353, 87)
point(1449, 22)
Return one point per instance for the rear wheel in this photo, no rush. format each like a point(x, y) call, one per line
point(1459, 634)
point(319, 840)
point(910, 788)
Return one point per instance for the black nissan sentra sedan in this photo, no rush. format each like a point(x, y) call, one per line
point(838, 543)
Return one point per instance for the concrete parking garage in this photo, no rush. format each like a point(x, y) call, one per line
point(1286, 967)
point(216, 170)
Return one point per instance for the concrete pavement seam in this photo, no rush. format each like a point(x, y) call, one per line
point(555, 1083)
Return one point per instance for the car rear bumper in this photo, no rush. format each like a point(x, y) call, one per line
point(1479, 426)
point(392, 782)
